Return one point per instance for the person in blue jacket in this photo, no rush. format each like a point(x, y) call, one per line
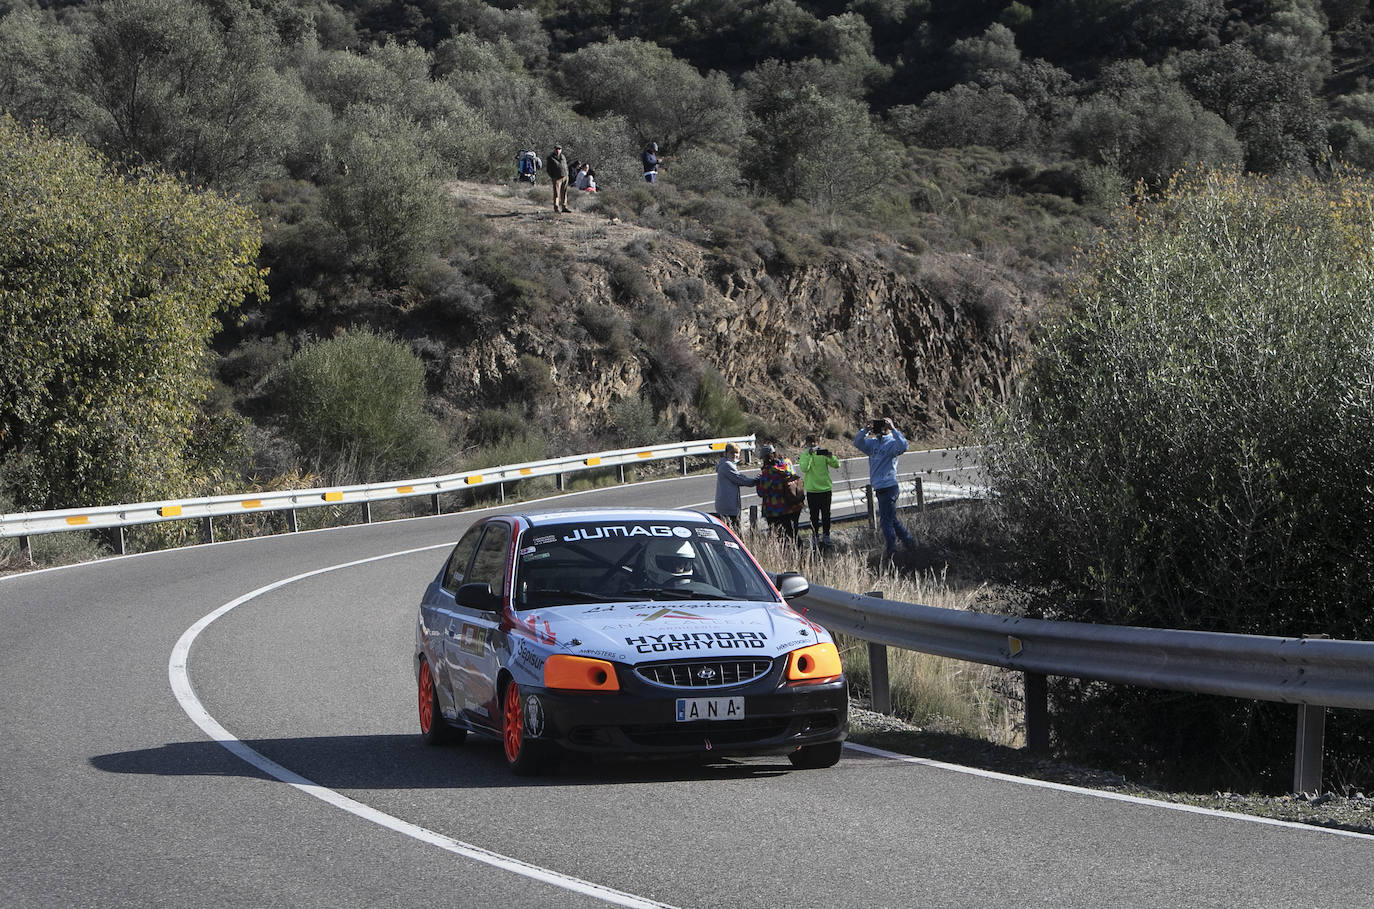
point(728, 483)
point(884, 443)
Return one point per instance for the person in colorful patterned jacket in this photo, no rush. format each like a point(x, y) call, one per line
point(782, 513)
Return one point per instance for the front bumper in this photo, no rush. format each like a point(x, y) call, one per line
point(777, 720)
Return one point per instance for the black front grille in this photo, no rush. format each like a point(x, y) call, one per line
point(704, 673)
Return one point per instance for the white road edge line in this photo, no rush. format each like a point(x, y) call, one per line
point(1102, 794)
point(179, 676)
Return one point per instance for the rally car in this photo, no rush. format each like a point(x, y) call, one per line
point(635, 632)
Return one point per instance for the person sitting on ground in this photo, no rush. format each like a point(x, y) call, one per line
point(585, 181)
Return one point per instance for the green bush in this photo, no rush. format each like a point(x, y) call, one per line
point(357, 401)
point(1193, 445)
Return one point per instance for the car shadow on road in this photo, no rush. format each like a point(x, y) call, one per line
point(405, 762)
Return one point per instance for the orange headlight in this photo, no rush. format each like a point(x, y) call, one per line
point(577, 673)
point(819, 661)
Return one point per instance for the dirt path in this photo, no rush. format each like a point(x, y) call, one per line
point(509, 208)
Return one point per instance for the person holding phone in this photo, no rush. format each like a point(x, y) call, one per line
point(884, 443)
point(816, 464)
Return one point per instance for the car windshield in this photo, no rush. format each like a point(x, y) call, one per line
point(631, 561)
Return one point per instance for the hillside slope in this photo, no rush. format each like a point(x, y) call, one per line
point(801, 345)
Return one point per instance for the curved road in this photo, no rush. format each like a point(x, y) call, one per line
point(111, 794)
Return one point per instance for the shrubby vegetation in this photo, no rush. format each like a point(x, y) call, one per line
point(1192, 446)
point(110, 288)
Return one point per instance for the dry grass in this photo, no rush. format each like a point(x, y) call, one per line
point(938, 694)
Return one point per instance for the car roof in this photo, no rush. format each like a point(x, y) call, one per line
point(609, 515)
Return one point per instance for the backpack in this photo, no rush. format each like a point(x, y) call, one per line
point(527, 163)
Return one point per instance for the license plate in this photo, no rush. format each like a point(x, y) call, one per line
point(692, 709)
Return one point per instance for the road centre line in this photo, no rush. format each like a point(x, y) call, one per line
point(179, 675)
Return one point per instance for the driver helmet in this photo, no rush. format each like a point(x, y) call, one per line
point(675, 561)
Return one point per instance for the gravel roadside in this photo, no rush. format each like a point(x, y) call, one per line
point(1326, 809)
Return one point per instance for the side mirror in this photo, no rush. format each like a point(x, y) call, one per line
point(477, 595)
point(791, 584)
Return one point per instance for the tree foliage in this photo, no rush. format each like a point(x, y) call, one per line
point(356, 403)
point(109, 290)
point(1193, 446)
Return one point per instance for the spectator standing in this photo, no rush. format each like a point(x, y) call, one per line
point(557, 167)
point(816, 464)
point(651, 162)
point(781, 512)
point(884, 443)
point(728, 483)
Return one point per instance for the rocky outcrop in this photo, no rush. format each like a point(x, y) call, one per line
point(802, 347)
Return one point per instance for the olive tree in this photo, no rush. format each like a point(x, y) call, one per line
point(110, 287)
point(1193, 443)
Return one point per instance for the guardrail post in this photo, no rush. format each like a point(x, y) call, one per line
point(620, 470)
point(117, 540)
point(367, 512)
point(434, 504)
point(559, 482)
point(920, 495)
point(501, 493)
point(207, 529)
point(684, 465)
point(1311, 741)
point(872, 513)
point(1307, 761)
point(292, 522)
point(1037, 713)
point(879, 681)
point(753, 516)
point(26, 548)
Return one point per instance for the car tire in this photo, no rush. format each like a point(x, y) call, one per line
point(434, 729)
point(523, 756)
point(814, 757)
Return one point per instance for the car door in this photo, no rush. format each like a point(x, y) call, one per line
point(472, 642)
point(439, 622)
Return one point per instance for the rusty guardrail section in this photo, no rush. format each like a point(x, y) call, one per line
point(1314, 673)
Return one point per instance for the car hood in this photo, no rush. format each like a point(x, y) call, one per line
point(658, 630)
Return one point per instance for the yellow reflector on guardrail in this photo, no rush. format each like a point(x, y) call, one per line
point(169, 511)
point(78, 519)
point(333, 497)
point(472, 480)
point(592, 462)
point(251, 503)
point(405, 489)
point(526, 471)
point(717, 446)
point(645, 454)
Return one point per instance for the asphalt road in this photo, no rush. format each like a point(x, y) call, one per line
point(113, 794)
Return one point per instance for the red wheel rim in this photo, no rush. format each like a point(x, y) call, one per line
point(426, 699)
point(515, 723)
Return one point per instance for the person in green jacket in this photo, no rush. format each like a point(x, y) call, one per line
point(816, 463)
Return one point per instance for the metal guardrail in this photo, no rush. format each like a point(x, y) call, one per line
point(120, 516)
point(1314, 673)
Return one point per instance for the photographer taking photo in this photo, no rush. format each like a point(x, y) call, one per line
point(816, 463)
point(884, 443)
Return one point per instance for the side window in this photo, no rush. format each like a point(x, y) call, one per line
point(490, 562)
point(457, 569)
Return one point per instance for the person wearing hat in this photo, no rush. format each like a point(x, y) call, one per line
point(557, 167)
point(728, 483)
point(650, 159)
